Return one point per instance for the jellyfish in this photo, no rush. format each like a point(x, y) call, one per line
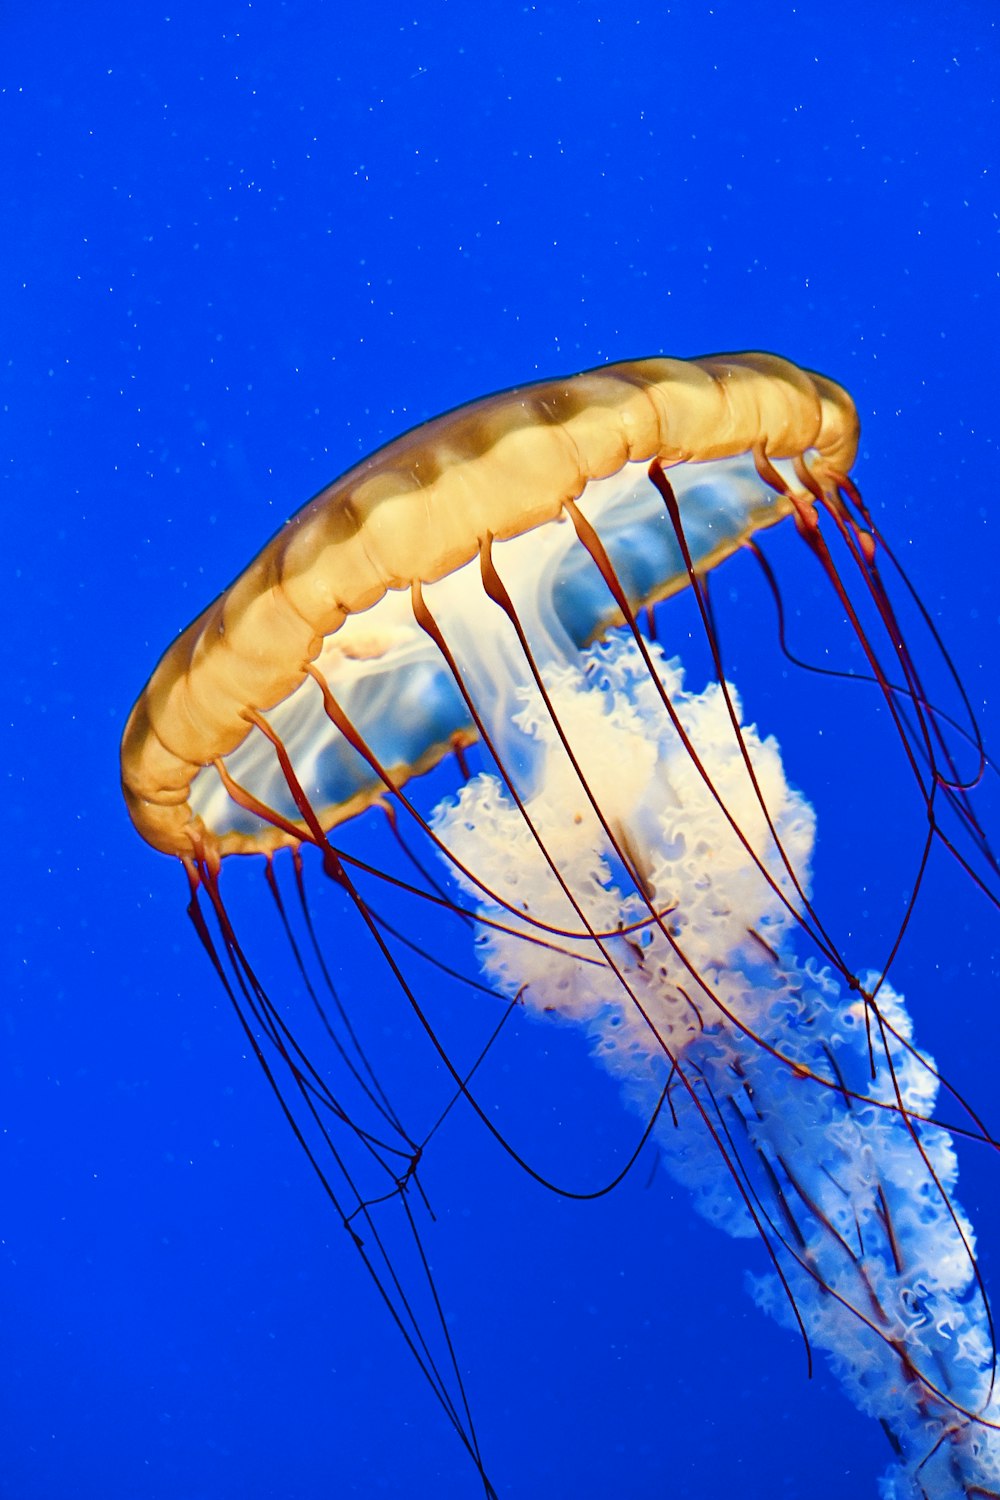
point(451, 686)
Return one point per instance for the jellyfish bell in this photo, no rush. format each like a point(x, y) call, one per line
point(618, 848)
point(422, 509)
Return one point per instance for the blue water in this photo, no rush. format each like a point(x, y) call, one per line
point(243, 246)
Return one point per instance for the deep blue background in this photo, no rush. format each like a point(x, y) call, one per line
point(244, 245)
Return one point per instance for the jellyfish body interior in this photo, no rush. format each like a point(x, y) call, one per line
point(621, 851)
